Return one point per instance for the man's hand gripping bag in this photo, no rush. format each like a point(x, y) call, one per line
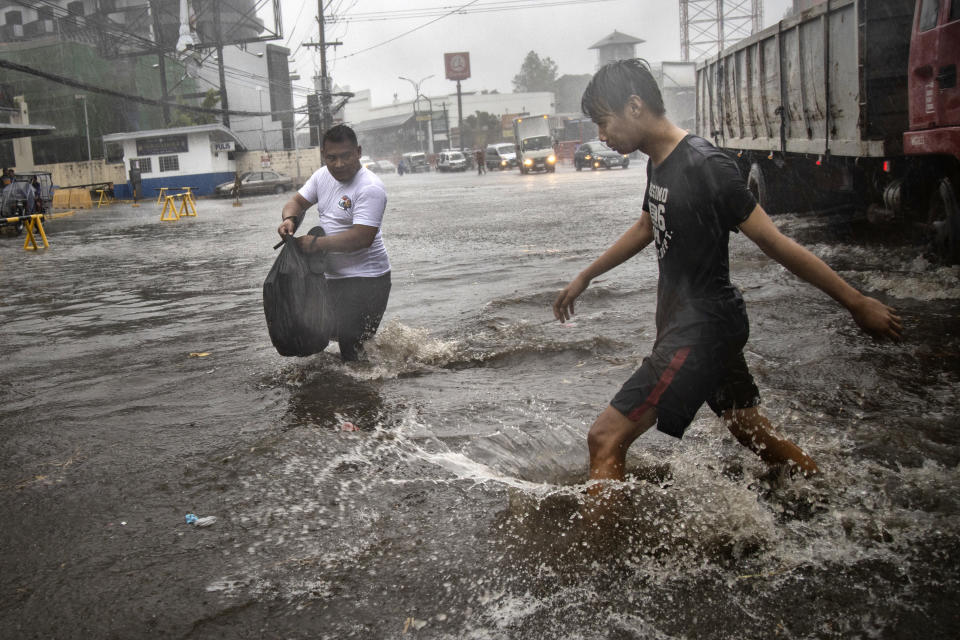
point(295, 301)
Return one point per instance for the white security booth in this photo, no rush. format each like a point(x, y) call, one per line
point(199, 157)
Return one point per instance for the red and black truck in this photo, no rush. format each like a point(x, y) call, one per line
point(848, 98)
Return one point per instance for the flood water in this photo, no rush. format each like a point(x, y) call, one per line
point(456, 511)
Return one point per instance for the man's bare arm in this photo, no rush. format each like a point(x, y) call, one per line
point(359, 236)
point(874, 317)
point(292, 214)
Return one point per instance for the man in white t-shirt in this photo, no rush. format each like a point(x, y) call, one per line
point(351, 201)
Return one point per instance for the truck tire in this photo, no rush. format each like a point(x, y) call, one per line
point(943, 214)
point(762, 188)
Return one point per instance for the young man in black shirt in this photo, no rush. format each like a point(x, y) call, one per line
point(695, 197)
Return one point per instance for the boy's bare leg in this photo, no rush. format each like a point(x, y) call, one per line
point(754, 431)
point(610, 436)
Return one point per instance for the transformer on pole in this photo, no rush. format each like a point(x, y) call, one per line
point(707, 26)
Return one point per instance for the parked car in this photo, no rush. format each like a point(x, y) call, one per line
point(368, 162)
point(502, 155)
point(257, 182)
point(415, 162)
point(451, 161)
point(383, 166)
point(596, 154)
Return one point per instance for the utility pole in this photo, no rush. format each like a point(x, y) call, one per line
point(223, 78)
point(161, 61)
point(86, 125)
point(326, 118)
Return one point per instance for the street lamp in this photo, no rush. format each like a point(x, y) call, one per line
point(416, 100)
point(86, 125)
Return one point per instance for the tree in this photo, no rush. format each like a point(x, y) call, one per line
point(536, 74)
point(480, 130)
point(183, 118)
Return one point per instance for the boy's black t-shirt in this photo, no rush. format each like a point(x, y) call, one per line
point(695, 197)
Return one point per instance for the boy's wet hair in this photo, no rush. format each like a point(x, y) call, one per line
point(611, 88)
point(340, 133)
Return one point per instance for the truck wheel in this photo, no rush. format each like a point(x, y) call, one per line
point(761, 189)
point(943, 214)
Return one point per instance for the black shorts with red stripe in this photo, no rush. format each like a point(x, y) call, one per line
point(678, 377)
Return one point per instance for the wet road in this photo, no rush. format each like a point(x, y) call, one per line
point(455, 511)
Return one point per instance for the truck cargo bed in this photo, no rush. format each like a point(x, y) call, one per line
point(770, 91)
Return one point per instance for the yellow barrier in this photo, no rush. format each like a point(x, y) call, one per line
point(104, 198)
point(36, 220)
point(33, 223)
point(61, 199)
point(80, 199)
point(162, 195)
point(189, 205)
point(169, 213)
point(172, 213)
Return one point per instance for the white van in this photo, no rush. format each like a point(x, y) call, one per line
point(451, 161)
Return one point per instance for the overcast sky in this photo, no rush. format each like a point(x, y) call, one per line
point(497, 41)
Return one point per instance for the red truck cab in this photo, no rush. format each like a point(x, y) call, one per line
point(934, 106)
point(932, 76)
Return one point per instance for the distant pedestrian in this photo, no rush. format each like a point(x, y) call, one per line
point(237, 182)
point(481, 165)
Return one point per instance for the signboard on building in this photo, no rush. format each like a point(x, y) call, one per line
point(223, 146)
point(162, 145)
point(457, 65)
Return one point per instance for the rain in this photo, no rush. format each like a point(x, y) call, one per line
point(168, 473)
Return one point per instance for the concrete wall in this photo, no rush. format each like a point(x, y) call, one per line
point(66, 174)
point(76, 173)
point(283, 161)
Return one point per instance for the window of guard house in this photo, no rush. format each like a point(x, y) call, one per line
point(169, 163)
point(114, 153)
point(13, 17)
point(144, 164)
point(929, 12)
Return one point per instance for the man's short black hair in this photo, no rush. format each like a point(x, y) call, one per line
point(340, 133)
point(611, 87)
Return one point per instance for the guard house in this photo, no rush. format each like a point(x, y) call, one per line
point(200, 157)
point(616, 46)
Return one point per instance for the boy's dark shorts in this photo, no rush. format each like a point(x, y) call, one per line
point(677, 379)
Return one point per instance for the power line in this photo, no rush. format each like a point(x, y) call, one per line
point(406, 33)
point(13, 66)
point(484, 7)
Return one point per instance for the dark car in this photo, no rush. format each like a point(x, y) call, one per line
point(257, 182)
point(596, 154)
point(502, 155)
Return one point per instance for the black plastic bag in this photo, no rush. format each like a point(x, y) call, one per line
point(295, 301)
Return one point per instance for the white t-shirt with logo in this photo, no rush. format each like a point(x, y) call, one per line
point(341, 205)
